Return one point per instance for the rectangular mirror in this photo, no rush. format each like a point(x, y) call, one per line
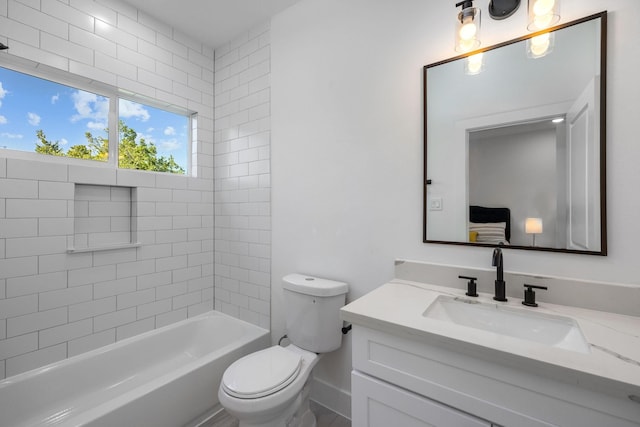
point(514, 143)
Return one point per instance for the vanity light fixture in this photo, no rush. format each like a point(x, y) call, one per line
point(543, 14)
point(467, 27)
point(533, 226)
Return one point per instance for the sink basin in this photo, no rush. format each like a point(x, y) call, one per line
point(555, 331)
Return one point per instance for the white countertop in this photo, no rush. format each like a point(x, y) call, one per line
point(612, 363)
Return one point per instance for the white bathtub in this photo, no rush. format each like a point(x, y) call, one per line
point(165, 377)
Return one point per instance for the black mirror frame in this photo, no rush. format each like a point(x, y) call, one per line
point(603, 130)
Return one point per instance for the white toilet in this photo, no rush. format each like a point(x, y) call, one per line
point(270, 388)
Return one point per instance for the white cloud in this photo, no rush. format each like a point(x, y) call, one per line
point(148, 138)
point(169, 130)
point(63, 141)
point(12, 135)
point(3, 120)
point(3, 93)
point(169, 145)
point(33, 118)
point(89, 106)
point(96, 125)
point(129, 109)
point(55, 98)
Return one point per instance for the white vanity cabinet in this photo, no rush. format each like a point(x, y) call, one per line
point(405, 380)
point(376, 403)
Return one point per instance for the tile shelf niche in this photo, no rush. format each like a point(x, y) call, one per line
point(104, 248)
point(103, 218)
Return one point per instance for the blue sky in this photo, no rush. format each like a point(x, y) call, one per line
point(28, 104)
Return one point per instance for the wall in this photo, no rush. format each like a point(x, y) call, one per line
point(347, 146)
point(54, 304)
point(242, 176)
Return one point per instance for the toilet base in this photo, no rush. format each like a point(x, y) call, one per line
point(298, 414)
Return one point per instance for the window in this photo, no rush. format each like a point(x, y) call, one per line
point(151, 138)
point(42, 116)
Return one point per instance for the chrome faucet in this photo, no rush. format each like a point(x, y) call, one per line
point(496, 261)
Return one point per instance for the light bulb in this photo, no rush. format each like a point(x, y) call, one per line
point(543, 21)
point(540, 45)
point(466, 45)
point(474, 63)
point(468, 31)
point(543, 7)
point(543, 14)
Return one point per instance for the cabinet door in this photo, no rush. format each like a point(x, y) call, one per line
point(376, 403)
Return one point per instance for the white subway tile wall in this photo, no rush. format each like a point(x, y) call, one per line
point(55, 304)
point(242, 177)
point(102, 216)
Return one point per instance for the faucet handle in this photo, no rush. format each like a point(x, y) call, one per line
point(530, 295)
point(471, 286)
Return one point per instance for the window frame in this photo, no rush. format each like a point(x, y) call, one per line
point(113, 94)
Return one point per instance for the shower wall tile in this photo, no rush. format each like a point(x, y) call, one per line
point(26, 285)
point(21, 325)
point(41, 171)
point(55, 304)
point(18, 345)
point(91, 342)
point(64, 333)
point(36, 359)
point(242, 176)
point(12, 307)
point(135, 328)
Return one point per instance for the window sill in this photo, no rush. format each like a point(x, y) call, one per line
point(104, 248)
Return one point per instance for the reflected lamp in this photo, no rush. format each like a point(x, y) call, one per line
point(533, 226)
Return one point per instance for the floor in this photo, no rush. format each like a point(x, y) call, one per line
point(327, 418)
point(324, 418)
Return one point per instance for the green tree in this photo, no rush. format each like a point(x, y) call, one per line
point(45, 146)
point(98, 146)
point(133, 153)
point(80, 152)
point(140, 155)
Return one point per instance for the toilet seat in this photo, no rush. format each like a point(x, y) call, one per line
point(262, 373)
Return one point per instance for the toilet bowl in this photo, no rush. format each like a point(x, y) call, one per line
point(270, 388)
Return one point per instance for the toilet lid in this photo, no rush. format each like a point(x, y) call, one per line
point(261, 373)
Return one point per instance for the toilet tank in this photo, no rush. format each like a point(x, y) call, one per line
point(312, 306)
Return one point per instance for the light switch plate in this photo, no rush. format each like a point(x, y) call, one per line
point(435, 204)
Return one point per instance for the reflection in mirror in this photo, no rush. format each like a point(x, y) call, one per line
point(515, 144)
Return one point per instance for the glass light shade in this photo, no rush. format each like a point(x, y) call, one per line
point(540, 46)
point(533, 226)
point(474, 64)
point(468, 29)
point(543, 14)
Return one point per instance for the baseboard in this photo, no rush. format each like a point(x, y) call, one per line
point(331, 397)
